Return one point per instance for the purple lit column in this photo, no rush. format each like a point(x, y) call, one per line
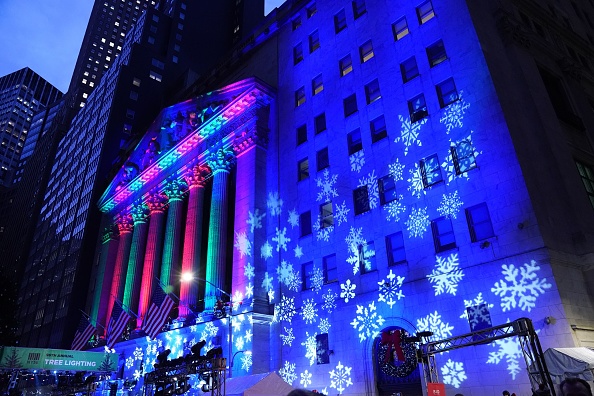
point(174, 190)
point(125, 227)
point(109, 251)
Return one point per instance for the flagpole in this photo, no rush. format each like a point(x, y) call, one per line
point(89, 319)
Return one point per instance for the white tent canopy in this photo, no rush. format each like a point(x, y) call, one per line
point(570, 362)
point(265, 384)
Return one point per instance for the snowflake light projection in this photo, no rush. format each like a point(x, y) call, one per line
point(298, 251)
point(409, 133)
point(415, 182)
point(239, 343)
point(509, 349)
point(249, 290)
point(418, 222)
point(453, 373)
point(367, 322)
point(129, 362)
point(267, 281)
point(355, 243)
point(287, 372)
point(340, 378)
point(295, 282)
point(309, 311)
point(305, 379)
point(243, 244)
point(322, 234)
point(246, 361)
point(357, 161)
point(248, 270)
point(288, 338)
point(137, 374)
point(396, 170)
point(450, 205)
point(324, 325)
point(341, 213)
point(281, 239)
point(326, 185)
point(395, 209)
point(285, 310)
point(138, 354)
point(347, 290)
point(446, 275)
point(330, 300)
point(293, 218)
point(372, 189)
point(523, 288)
point(317, 280)
point(310, 347)
point(477, 301)
point(255, 220)
point(453, 115)
point(433, 323)
point(389, 289)
point(285, 272)
point(465, 164)
point(266, 251)
point(274, 203)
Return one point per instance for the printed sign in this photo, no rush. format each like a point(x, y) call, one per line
point(56, 359)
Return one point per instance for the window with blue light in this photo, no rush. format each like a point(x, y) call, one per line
point(322, 159)
point(326, 215)
point(446, 92)
point(359, 8)
point(443, 234)
point(305, 224)
point(320, 123)
point(366, 51)
point(400, 29)
point(377, 126)
point(340, 22)
point(330, 269)
point(436, 53)
point(395, 249)
point(301, 134)
point(314, 41)
point(387, 189)
point(425, 12)
point(311, 10)
point(409, 69)
point(430, 171)
point(354, 141)
point(367, 258)
point(300, 97)
point(417, 108)
point(479, 222)
point(345, 65)
point(317, 85)
point(372, 91)
point(463, 156)
point(296, 23)
point(307, 272)
point(350, 105)
point(297, 54)
point(303, 169)
point(361, 200)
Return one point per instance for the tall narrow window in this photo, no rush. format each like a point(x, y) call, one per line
point(463, 156)
point(372, 91)
point(296, 23)
point(417, 108)
point(387, 189)
point(297, 53)
point(305, 223)
point(311, 10)
point(303, 169)
point(446, 92)
point(425, 12)
point(354, 141)
point(436, 53)
point(443, 234)
point(322, 159)
point(359, 8)
point(350, 105)
point(400, 29)
point(378, 130)
point(367, 258)
point(314, 41)
point(361, 200)
point(340, 21)
point(317, 85)
point(326, 215)
point(395, 249)
point(345, 65)
point(300, 97)
point(366, 51)
point(409, 69)
point(320, 123)
point(307, 273)
point(479, 222)
point(301, 134)
point(587, 175)
point(430, 171)
point(330, 269)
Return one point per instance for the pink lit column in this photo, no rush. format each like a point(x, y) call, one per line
point(173, 238)
point(193, 238)
point(109, 251)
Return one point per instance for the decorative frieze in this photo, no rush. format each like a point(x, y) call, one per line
point(221, 160)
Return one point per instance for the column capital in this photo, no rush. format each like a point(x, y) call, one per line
point(255, 134)
point(124, 223)
point(108, 234)
point(175, 189)
point(140, 212)
point(156, 202)
point(221, 160)
point(197, 175)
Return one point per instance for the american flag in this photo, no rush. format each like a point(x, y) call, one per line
point(158, 312)
point(84, 331)
point(117, 323)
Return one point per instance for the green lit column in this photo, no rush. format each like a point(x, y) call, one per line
point(221, 163)
point(118, 283)
point(174, 190)
point(140, 213)
point(109, 250)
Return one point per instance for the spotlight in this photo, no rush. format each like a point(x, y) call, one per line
point(214, 352)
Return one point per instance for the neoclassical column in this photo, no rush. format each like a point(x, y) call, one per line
point(109, 251)
point(140, 213)
point(125, 227)
point(174, 190)
point(191, 255)
point(221, 163)
point(156, 203)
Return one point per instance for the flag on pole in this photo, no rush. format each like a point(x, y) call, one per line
point(84, 331)
point(117, 323)
point(158, 312)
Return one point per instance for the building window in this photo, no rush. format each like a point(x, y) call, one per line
point(157, 63)
point(359, 8)
point(417, 108)
point(446, 92)
point(326, 215)
point(395, 249)
point(133, 95)
point(300, 97)
point(340, 21)
point(317, 85)
point(430, 171)
point(320, 123)
point(345, 65)
point(130, 114)
point(314, 41)
point(400, 29)
point(366, 51)
point(560, 99)
point(443, 234)
point(354, 141)
point(350, 105)
point(372, 91)
point(479, 222)
point(297, 54)
point(307, 273)
point(151, 40)
point(330, 269)
point(436, 53)
point(305, 223)
point(378, 129)
point(587, 175)
point(463, 156)
point(322, 158)
point(361, 200)
point(409, 69)
point(303, 169)
point(301, 134)
point(296, 23)
point(387, 189)
point(425, 12)
point(367, 258)
point(311, 10)
point(155, 76)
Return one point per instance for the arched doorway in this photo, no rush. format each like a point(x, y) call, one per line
point(396, 367)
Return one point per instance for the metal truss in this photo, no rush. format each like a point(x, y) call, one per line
point(212, 371)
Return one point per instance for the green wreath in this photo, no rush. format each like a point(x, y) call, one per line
point(394, 367)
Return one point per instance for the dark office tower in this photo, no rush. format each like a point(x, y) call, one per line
point(165, 46)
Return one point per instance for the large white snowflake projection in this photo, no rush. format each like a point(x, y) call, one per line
point(322, 234)
point(509, 350)
point(255, 220)
point(249, 290)
point(341, 213)
point(310, 347)
point(453, 114)
point(239, 343)
point(317, 280)
point(267, 281)
point(416, 186)
point(293, 218)
point(453, 373)
point(523, 287)
point(357, 161)
point(450, 205)
point(248, 270)
point(434, 324)
point(266, 250)
point(466, 159)
point(309, 311)
point(347, 290)
point(246, 361)
point(409, 133)
point(243, 244)
point(326, 185)
point(446, 275)
point(281, 239)
point(285, 272)
point(305, 379)
point(129, 362)
point(298, 251)
point(137, 374)
point(138, 354)
point(324, 325)
point(288, 338)
point(478, 301)
point(418, 222)
point(372, 189)
point(355, 243)
point(295, 282)
point(367, 322)
point(274, 203)
point(390, 289)
point(329, 300)
point(340, 378)
point(394, 209)
point(396, 170)
point(287, 372)
point(285, 309)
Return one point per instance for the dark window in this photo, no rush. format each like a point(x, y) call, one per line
point(322, 349)
point(359, 8)
point(326, 215)
point(436, 53)
point(312, 10)
point(479, 222)
point(330, 269)
point(463, 156)
point(446, 92)
point(366, 51)
point(387, 189)
point(350, 105)
point(400, 28)
point(297, 54)
point(587, 175)
point(317, 85)
point(300, 97)
point(301, 134)
point(372, 91)
point(354, 141)
point(378, 129)
point(322, 159)
point(130, 114)
point(417, 108)
point(345, 65)
point(296, 23)
point(361, 200)
point(314, 41)
point(559, 98)
point(303, 169)
point(307, 273)
point(320, 123)
point(430, 171)
point(305, 223)
point(340, 21)
point(425, 12)
point(409, 69)
point(367, 261)
point(395, 249)
point(443, 234)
